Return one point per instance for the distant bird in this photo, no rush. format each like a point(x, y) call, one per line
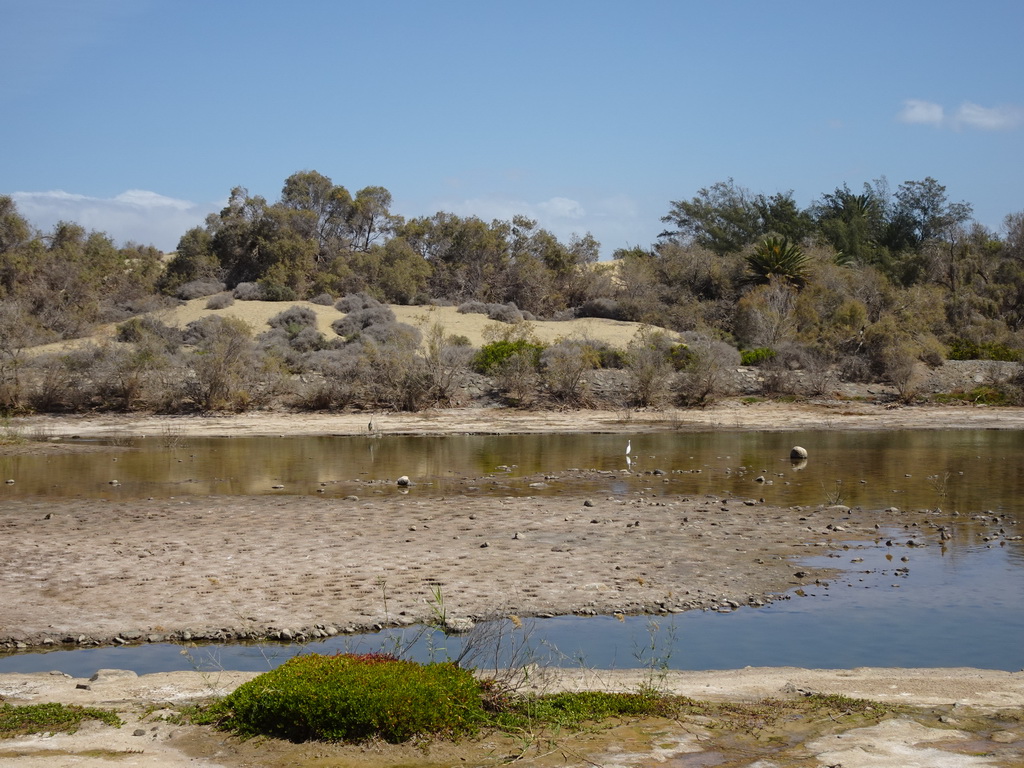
point(629, 446)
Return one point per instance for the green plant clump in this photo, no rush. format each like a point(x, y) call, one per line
point(50, 718)
point(353, 698)
point(494, 354)
point(964, 349)
point(572, 709)
point(756, 356)
point(983, 395)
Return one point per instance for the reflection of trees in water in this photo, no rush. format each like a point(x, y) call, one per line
point(970, 472)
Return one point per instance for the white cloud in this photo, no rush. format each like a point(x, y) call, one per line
point(548, 213)
point(988, 119)
point(967, 115)
point(562, 208)
point(139, 215)
point(920, 112)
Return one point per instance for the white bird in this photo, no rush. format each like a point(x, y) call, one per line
point(629, 446)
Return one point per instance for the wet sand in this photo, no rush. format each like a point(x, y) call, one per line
point(93, 571)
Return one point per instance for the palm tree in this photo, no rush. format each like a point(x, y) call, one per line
point(776, 257)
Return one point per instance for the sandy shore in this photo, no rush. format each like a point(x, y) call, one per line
point(950, 717)
point(731, 415)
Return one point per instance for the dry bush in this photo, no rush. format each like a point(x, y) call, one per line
point(517, 377)
point(339, 378)
point(220, 301)
point(706, 372)
point(766, 316)
point(649, 367)
point(227, 371)
point(358, 320)
point(600, 307)
point(503, 313)
point(446, 362)
point(353, 302)
point(901, 369)
point(563, 371)
point(197, 289)
point(248, 292)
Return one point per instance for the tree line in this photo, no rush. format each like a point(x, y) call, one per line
point(868, 282)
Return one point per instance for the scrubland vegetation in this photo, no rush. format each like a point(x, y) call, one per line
point(359, 698)
point(861, 286)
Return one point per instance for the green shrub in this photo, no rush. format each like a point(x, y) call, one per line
point(50, 718)
point(679, 356)
point(354, 698)
point(983, 395)
point(964, 349)
point(272, 290)
point(492, 355)
point(756, 356)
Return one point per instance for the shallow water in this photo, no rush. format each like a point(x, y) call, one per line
point(966, 470)
point(955, 606)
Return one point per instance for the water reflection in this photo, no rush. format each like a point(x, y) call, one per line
point(969, 471)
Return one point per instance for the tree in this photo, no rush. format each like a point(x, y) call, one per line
point(780, 214)
point(776, 258)
point(928, 211)
point(465, 253)
point(852, 224)
point(721, 217)
point(14, 228)
point(331, 206)
point(193, 260)
point(370, 218)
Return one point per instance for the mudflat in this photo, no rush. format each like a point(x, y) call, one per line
point(94, 571)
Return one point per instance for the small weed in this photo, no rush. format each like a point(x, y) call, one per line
point(940, 483)
point(11, 434)
point(654, 656)
point(834, 496)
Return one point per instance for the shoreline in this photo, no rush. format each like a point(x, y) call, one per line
point(958, 716)
point(731, 415)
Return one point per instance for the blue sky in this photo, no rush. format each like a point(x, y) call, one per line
point(137, 117)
